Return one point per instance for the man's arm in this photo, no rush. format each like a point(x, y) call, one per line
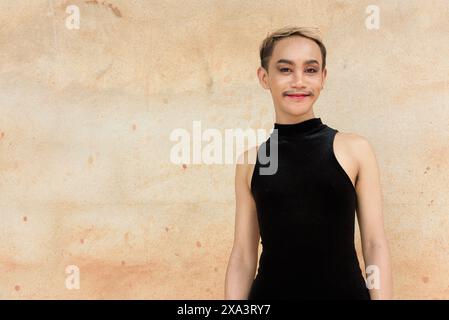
point(370, 218)
point(243, 259)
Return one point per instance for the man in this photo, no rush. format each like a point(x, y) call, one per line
point(304, 212)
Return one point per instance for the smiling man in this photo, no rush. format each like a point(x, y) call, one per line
point(305, 212)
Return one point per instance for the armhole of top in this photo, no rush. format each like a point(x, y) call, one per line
point(337, 163)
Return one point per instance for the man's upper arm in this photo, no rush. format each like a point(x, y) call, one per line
point(369, 194)
point(246, 232)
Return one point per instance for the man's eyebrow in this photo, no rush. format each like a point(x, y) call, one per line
point(292, 63)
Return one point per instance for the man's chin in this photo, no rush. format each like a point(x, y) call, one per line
point(296, 109)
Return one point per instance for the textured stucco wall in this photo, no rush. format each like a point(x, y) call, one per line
point(85, 176)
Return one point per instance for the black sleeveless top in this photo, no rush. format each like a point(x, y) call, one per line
point(306, 215)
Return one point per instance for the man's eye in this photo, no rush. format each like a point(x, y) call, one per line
point(311, 70)
point(284, 69)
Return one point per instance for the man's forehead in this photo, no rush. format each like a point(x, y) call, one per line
point(305, 51)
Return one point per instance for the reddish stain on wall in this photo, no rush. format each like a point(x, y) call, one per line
point(114, 9)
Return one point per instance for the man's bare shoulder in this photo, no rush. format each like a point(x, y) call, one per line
point(248, 157)
point(358, 145)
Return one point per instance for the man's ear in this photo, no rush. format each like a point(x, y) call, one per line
point(324, 77)
point(263, 77)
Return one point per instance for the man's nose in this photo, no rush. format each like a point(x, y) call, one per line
point(298, 79)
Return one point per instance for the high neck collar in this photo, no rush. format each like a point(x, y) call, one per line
point(298, 129)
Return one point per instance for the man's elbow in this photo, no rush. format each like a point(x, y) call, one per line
point(245, 256)
point(375, 243)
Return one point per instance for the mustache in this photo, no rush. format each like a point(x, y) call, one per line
point(298, 92)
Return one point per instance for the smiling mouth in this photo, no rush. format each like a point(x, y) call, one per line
point(297, 96)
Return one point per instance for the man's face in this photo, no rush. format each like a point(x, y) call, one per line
point(295, 76)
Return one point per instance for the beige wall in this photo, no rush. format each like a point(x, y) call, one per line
point(85, 176)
